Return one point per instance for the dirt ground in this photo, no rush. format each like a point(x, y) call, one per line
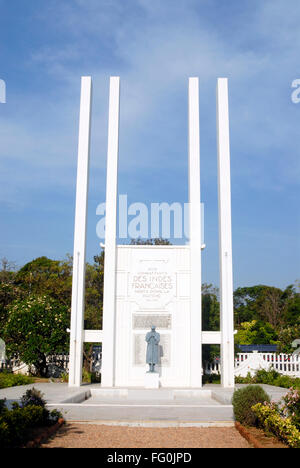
point(267, 441)
point(76, 435)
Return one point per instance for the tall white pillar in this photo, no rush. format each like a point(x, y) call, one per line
point(225, 242)
point(195, 235)
point(109, 304)
point(78, 282)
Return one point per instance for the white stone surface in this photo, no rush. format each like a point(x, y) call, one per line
point(152, 380)
point(211, 337)
point(78, 282)
point(166, 263)
point(93, 336)
point(109, 293)
point(195, 236)
point(225, 247)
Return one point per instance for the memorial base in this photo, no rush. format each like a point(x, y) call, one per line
point(152, 380)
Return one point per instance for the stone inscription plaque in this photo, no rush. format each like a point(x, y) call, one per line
point(145, 321)
point(140, 345)
point(152, 282)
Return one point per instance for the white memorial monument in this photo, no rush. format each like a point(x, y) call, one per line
point(147, 285)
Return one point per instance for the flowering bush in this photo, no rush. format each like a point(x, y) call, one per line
point(291, 406)
point(35, 327)
point(270, 419)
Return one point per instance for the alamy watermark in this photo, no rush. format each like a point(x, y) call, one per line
point(295, 96)
point(163, 220)
point(2, 92)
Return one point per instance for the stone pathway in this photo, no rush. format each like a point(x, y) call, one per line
point(78, 435)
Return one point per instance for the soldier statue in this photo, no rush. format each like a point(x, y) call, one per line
point(152, 356)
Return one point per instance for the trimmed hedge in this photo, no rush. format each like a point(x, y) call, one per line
point(244, 399)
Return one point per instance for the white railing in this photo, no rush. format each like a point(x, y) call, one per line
point(212, 368)
point(59, 361)
point(285, 364)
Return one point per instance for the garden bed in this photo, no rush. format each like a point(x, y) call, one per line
point(42, 434)
point(258, 438)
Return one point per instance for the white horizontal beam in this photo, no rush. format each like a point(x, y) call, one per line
point(93, 336)
point(211, 337)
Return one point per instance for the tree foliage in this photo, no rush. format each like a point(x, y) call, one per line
point(32, 296)
point(46, 276)
point(256, 332)
point(277, 307)
point(35, 327)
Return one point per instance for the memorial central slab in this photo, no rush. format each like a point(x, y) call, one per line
point(152, 290)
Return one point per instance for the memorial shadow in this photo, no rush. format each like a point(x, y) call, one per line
point(66, 430)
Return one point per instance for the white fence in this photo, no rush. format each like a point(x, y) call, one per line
point(57, 363)
point(285, 364)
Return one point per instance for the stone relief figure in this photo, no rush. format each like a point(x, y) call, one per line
point(152, 355)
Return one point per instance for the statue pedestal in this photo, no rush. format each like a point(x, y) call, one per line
point(152, 380)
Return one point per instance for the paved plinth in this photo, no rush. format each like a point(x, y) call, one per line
point(210, 405)
point(53, 392)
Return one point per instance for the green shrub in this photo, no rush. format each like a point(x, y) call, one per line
point(283, 428)
point(64, 377)
point(2, 405)
point(89, 377)
point(8, 379)
point(5, 437)
point(266, 377)
point(243, 400)
point(17, 423)
point(270, 378)
point(245, 380)
point(286, 381)
point(33, 397)
point(211, 379)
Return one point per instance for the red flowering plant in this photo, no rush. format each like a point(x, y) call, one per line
point(291, 406)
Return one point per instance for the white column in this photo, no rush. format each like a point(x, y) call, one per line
point(195, 234)
point(78, 282)
point(225, 244)
point(109, 295)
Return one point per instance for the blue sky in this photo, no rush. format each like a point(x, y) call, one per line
point(154, 46)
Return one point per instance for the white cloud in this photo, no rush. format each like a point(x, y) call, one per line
point(154, 47)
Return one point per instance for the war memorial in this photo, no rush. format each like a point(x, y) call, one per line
point(149, 286)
